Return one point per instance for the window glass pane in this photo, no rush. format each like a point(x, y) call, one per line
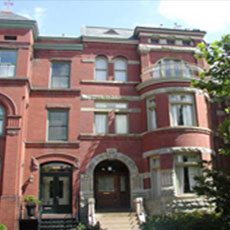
point(60, 75)
point(152, 119)
point(101, 67)
point(101, 75)
point(122, 184)
point(58, 125)
point(121, 123)
point(100, 123)
point(106, 184)
point(120, 75)
point(7, 63)
point(1, 127)
point(120, 64)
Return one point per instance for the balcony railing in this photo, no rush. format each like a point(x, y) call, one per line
point(7, 70)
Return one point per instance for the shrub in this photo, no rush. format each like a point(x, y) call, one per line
point(185, 221)
point(3, 227)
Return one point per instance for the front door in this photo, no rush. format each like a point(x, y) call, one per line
point(55, 188)
point(112, 186)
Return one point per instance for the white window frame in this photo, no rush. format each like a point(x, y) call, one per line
point(185, 106)
point(53, 77)
point(118, 70)
point(2, 120)
point(9, 67)
point(185, 170)
point(104, 69)
point(151, 106)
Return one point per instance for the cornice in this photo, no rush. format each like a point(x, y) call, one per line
point(178, 150)
point(56, 46)
point(21, 24)
point(109, 40)
point(14, 80)
point(146, 48)
point(178, 89)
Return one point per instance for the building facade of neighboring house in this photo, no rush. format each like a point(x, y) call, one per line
point(108, 116)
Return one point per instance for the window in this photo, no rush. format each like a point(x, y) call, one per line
point(170, 68)
point(60, 75)
point(58, 125)
point(182, 110)
point(186, 168)
point(2, 118)
point(121, 123)
point(101, 123)
point(102, 114)
point(101, 69)
point(151, 114)
point(120, 70)
point(7, 63)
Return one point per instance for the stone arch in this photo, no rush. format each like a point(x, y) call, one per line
point(112, 154)
point(8, 104)
point(87, 179)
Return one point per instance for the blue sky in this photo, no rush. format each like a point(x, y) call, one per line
point(57, 17)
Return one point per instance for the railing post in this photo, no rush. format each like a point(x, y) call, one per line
point(91, 212)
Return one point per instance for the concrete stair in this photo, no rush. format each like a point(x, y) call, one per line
point(118, 221)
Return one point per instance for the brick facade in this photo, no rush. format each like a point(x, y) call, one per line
point(149, 155)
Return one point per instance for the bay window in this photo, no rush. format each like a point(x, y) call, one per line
point(182, 110)
point(8, 63)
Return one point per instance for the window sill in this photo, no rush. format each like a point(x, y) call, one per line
point(95, 136)
point(52, 144)
point(109, 82)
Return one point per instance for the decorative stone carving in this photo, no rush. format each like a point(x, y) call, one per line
point(34, 163)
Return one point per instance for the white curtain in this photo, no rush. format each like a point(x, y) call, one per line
point(174, 115)
point(193, 171)
point(100, 123)
point(120, 70)
point(101, 68)
point(121, 123)
point(187, 115)
point(152, 119)
point(180, 180)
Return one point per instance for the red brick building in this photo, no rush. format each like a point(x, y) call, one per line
point(107, 116)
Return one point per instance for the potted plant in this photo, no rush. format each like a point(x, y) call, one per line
point(30, 203)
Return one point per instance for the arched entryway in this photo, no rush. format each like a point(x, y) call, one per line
point(56, 187)
point(112, 186)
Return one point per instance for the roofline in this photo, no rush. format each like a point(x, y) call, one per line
point(20, 24)
point(193, 32)
point(62, 38)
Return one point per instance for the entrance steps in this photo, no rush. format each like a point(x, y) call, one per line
point(118, 221)
point(58, 224)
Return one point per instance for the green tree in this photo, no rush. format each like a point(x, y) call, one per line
point(215, 184)
point(216, 81)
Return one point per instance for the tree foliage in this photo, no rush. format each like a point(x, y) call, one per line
point(216, 81)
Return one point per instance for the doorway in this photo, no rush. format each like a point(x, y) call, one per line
point(56, 188)
point(112, 186)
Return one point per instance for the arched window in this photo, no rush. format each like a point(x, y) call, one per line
point(172, 68)
point(101, 69)
point(2, 120)
point(120, 69)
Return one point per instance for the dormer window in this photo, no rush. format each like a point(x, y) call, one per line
point(7, 63)
point(172, 68)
